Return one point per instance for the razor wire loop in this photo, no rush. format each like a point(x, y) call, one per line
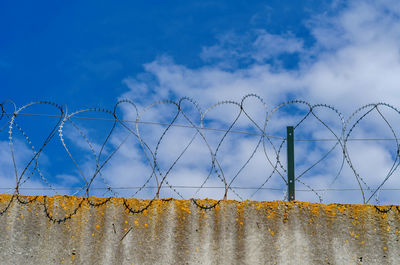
point(36, 153)
point(155, 164)
point(258, 127)
point(215, 160)
point(338, 142)
point(12, 123)
point(153, 159)
point(68, 118)
point(360, 180)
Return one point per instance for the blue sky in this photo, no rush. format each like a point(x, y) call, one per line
point(91, 54)
point(79, 53)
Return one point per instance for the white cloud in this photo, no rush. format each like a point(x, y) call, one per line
point(257, 45)
point(354, 60)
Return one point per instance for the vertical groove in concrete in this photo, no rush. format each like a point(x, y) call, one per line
point(178, 232)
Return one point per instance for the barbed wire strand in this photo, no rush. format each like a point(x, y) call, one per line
point(271, 146)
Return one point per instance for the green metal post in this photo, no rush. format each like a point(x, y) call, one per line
point(290, 161)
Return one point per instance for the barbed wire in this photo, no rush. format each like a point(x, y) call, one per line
point(194, 187)
point(151, 155)
point(204, 128)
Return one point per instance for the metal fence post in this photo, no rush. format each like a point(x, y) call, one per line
point(290, 161)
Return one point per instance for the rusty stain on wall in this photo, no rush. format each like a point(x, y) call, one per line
point(75, 230)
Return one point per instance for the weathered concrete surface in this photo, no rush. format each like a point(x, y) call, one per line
point(178, 232)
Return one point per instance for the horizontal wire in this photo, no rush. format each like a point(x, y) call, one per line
point(350, 139)
point(152, 123)
point(138, 187)
point(208, 129)
point(196, 187)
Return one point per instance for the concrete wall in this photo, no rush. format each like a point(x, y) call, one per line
point(179, 232)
